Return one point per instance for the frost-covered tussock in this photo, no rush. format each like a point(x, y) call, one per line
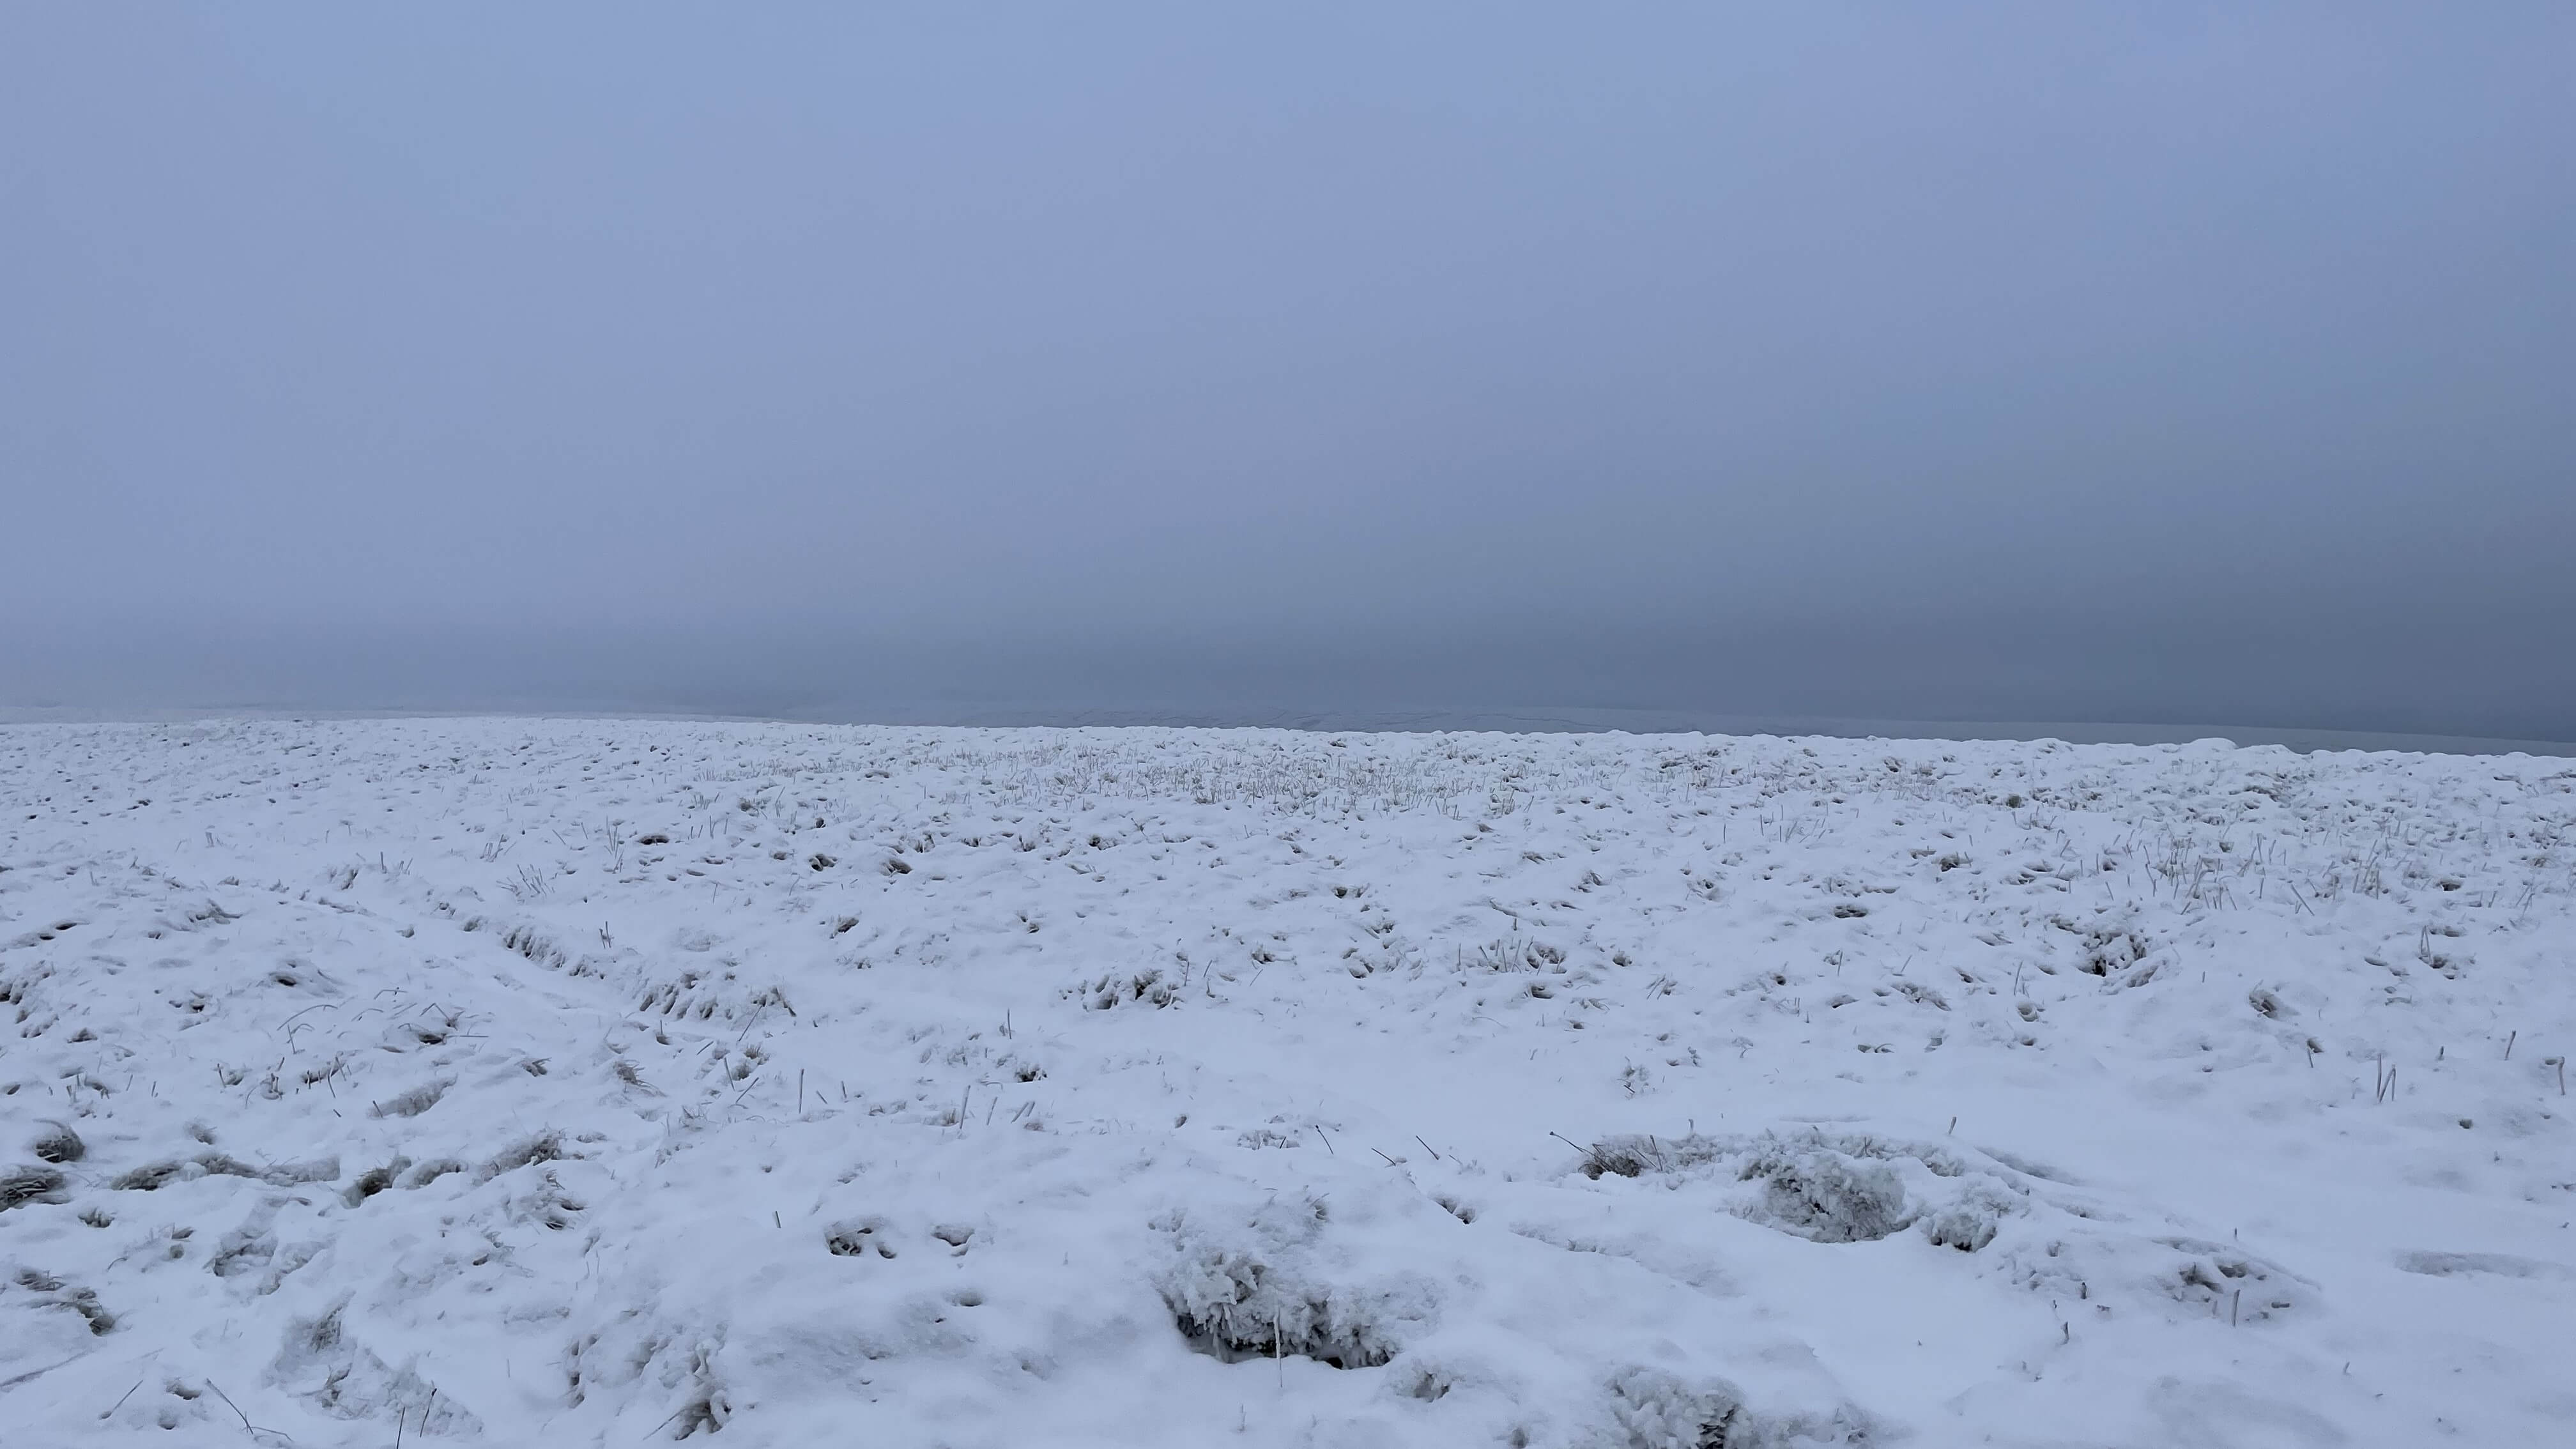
point(611, 1082)
point(1272, 1285)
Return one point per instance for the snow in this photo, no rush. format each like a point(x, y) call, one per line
point(598, 1082)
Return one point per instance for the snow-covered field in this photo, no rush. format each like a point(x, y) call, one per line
point(583, 1082)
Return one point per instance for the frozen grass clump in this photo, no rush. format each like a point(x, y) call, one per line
point(374, 1180)
point(1265, 1288)
point(29, 1184)
point(1653, 1409)
point(1632, 1156)
point(414, 1102)
point(323, 1364)
point(52, 1292)
point(858, 1239)
point(1840, 1188)
point(150, 1177)
point(1119, 989)
point(1821, 1195)
point(59, 1144)
point(543, 1147)
point(1966, 1225)
point(2224, 1281)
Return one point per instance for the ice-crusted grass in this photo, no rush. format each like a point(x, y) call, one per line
point(58, 1144)
point(1266, 1287)
point(22, 1185)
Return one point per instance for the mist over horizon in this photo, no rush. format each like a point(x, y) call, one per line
point(2186, 367)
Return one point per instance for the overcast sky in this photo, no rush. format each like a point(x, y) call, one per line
point(2162, 362)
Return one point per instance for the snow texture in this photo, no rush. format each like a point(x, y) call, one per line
point(601, 1083)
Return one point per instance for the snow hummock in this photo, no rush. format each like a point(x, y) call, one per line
point(603, 1082)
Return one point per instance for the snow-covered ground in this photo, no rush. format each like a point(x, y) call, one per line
point(547, 1082)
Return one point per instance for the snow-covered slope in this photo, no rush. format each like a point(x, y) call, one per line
point(591, 1082)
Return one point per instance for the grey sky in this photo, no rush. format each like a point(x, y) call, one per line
point(2172, 362)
